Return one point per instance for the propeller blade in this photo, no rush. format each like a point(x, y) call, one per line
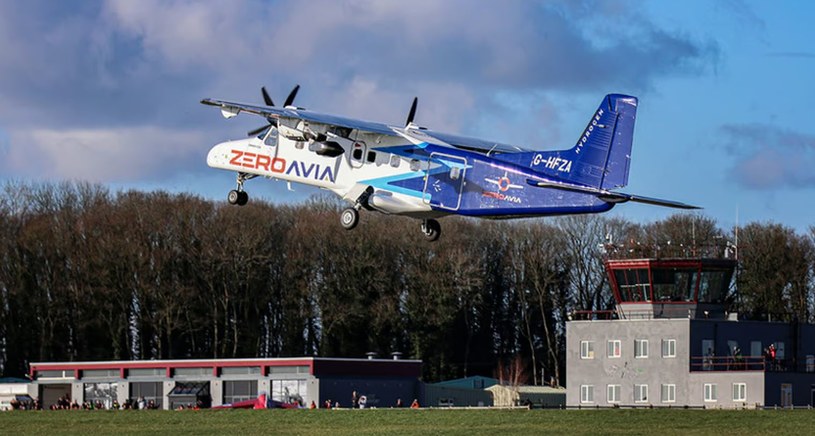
point(412, 112)
point(258, 130)
point(266, 98)
point(292, 94)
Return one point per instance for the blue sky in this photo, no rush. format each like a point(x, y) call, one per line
point(109, 91)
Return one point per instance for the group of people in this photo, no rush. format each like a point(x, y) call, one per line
point(736, 360)
point(64, 403)
point(360, 402)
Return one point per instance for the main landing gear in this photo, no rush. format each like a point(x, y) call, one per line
point(239, 196)
point(431, 229)
point(349, 218)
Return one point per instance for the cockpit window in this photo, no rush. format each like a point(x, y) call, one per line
point(269, 137)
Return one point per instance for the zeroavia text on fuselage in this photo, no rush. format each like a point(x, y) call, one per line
point(410, 170)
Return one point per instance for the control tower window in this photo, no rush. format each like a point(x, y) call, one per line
point(713, 286)
point(633, 284)
point(674, 284)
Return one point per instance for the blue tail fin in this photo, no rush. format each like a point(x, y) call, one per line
point(602, 155)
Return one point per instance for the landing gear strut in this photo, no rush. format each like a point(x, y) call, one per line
point(239, 196)
point(431, 229)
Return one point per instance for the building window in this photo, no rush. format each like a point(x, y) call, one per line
point(739, 391)
point(289, 391)
point(240, 370)
point(810, 362)
point(103, 394)
point(146, 372)
point(640, 393)
point(614, 348)
point(192, 372)
point(641, 348)
point(668, 394)
point(150, 393)
point(669, 348)
point(710, 392)
point(586, 349)
point(55, 374)
point(613, 395)
point(100, 373)
point(586, 393)
point(305, 369)
point(240, 390)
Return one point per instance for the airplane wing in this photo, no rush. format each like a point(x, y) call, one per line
point(473, 144)
point(609, 196)
point(413, 134)
point(230, 109)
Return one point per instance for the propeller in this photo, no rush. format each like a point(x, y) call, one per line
point(412, 112)
point(266, 98)
point(269, 102)
point(292, 94)
point(258, 130)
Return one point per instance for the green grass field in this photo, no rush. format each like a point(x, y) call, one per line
point(406, 421)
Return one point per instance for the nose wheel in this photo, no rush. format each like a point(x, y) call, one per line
point(237, 197)
point(431, 229)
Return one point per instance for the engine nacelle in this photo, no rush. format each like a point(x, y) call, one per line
point(326, 148)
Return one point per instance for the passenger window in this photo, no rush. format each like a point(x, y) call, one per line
point(371, 156)
point(414, 165)
point(357, 154)
point(395, 161)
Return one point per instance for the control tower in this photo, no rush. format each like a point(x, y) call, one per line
point(670, 288)
point(673, 340)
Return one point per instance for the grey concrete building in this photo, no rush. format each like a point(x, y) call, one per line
point(670, 342)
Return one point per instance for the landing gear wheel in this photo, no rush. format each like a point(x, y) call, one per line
point(237, 197)
point(233, 197)
point(243, 198)
point(431, 229)
point(349, 218)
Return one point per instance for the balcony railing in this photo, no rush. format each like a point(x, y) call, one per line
point(744, 363)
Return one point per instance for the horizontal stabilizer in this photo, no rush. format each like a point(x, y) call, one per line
point(608, 196)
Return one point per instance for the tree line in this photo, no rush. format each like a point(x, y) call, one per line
point(87, 274)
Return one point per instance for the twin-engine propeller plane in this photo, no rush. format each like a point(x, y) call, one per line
point(410, 170)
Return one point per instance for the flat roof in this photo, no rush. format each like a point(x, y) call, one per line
point(318, 366)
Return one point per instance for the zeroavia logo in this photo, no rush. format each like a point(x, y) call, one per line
point(281, 166)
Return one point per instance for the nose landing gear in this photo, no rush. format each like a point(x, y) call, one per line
point(239, 196)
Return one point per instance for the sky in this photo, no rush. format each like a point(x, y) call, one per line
point(108, 91)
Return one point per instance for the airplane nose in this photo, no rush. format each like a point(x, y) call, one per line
point(217, 155)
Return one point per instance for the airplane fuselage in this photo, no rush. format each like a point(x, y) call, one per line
point(419, 180)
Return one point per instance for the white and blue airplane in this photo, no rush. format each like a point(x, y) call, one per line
point(413, 171)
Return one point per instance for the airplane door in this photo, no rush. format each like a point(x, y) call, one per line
point(444, 182)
